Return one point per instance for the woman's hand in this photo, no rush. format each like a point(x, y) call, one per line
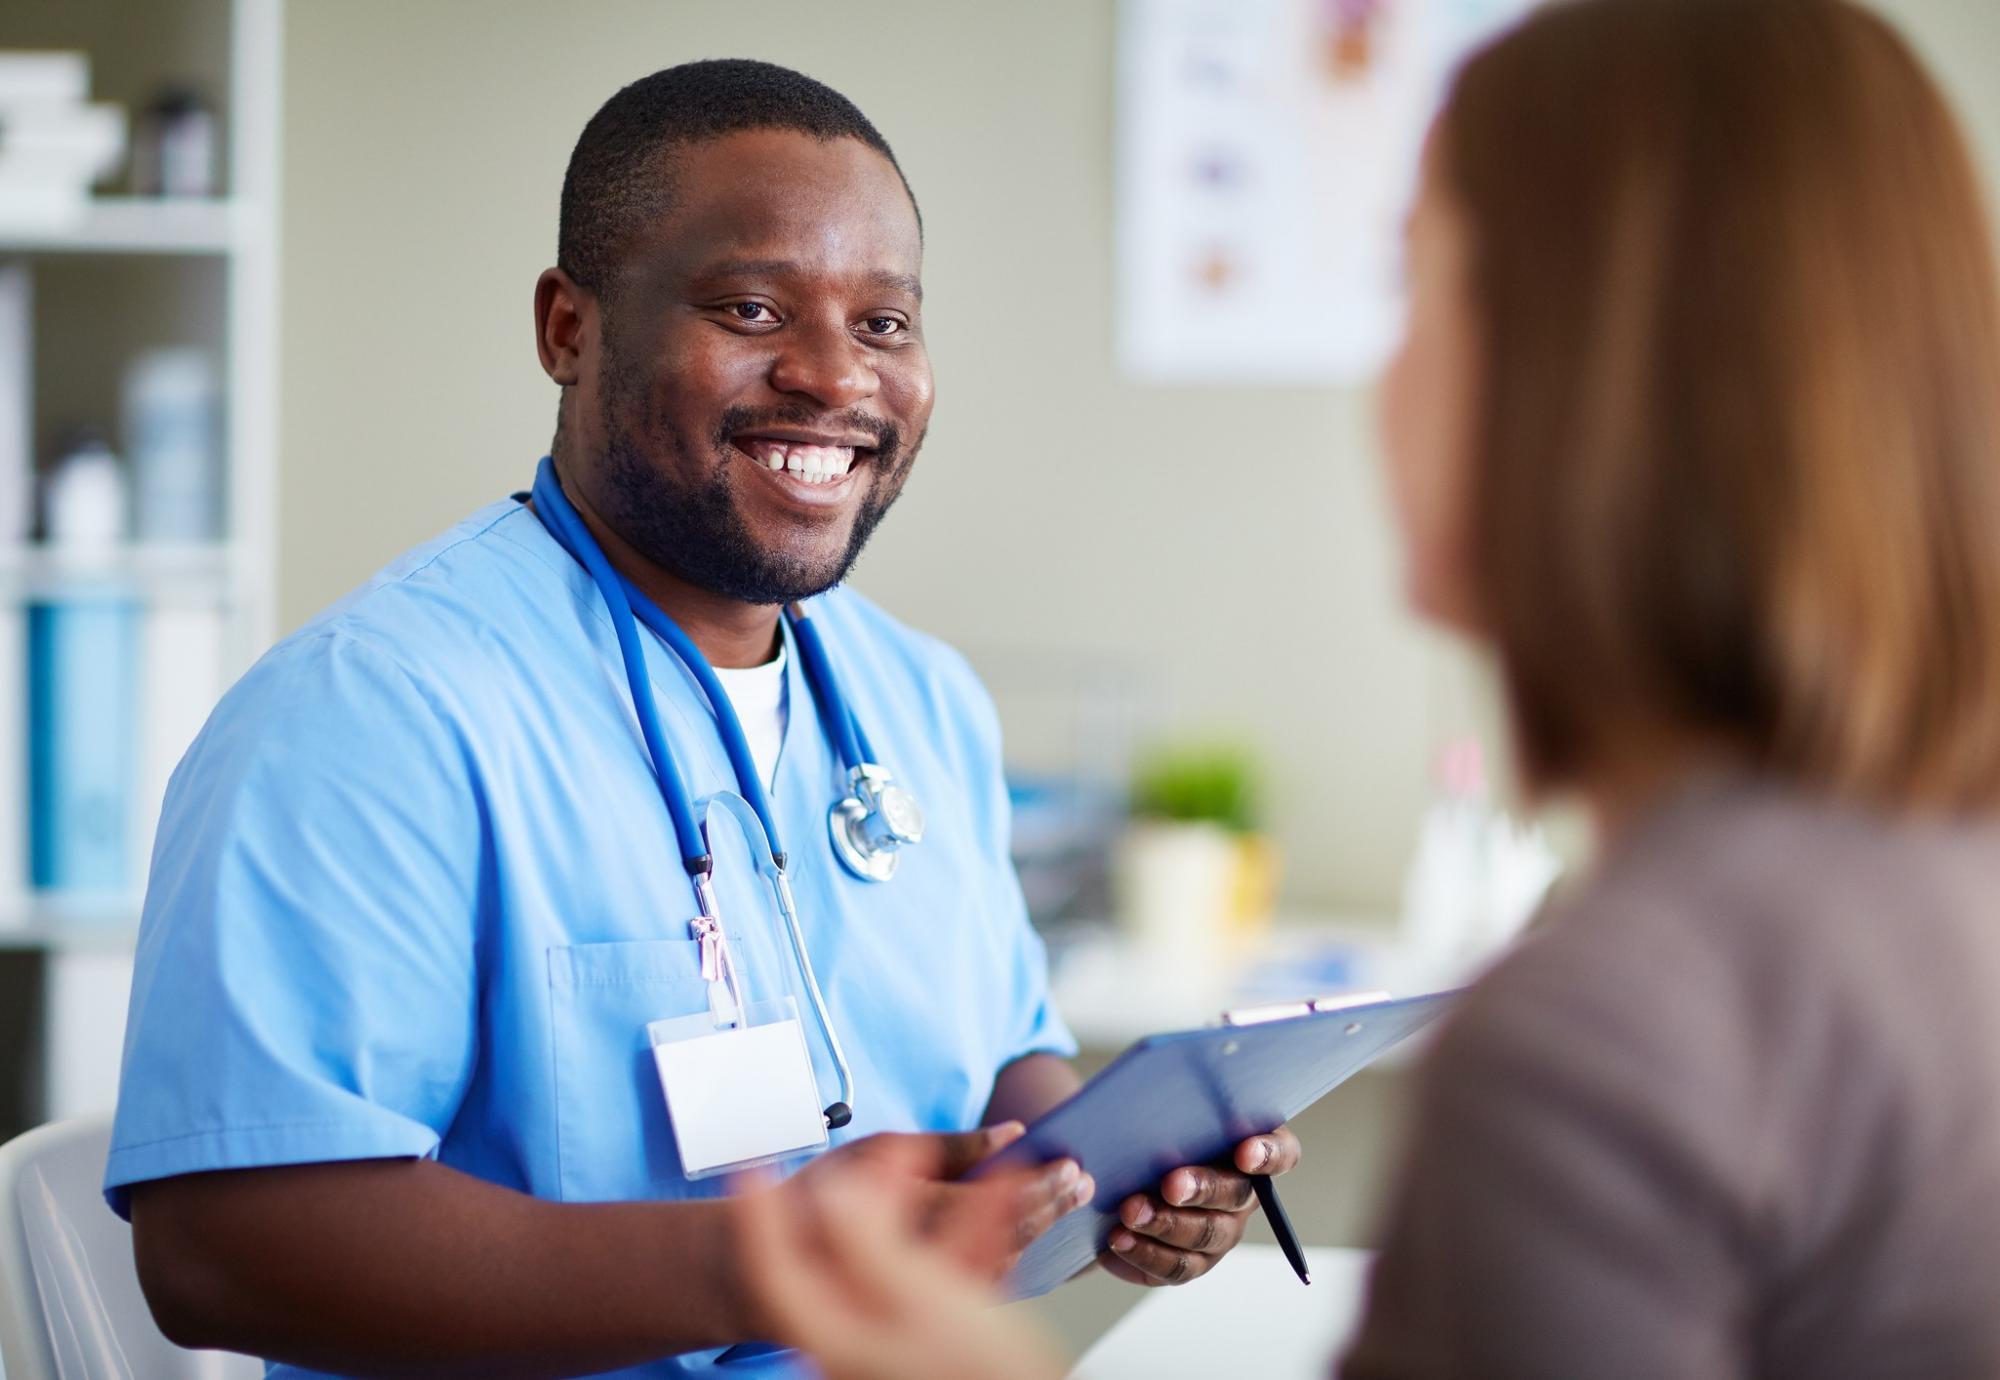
point(852, 1262)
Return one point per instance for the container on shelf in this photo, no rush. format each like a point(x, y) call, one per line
point(174, 153)
point(82, 653)
point(171, 425)
point(183, 262)
point(54, 143)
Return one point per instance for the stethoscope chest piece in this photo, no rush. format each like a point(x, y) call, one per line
point(873, 824)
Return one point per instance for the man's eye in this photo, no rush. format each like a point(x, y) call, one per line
point(749, 311)
point(882, 325)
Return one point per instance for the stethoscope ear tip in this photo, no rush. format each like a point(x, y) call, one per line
point(838, 1115)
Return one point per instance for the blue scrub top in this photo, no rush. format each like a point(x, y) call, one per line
point(415, 893)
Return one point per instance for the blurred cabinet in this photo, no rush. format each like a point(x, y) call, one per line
point(132, 275)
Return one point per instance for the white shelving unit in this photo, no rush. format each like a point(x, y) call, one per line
point(135, 263)
point(136, 225)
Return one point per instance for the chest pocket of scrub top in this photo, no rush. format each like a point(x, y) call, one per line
point(613, 1139)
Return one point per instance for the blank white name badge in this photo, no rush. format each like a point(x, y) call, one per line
point(740, 1095)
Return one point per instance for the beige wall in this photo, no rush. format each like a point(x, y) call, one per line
point(1226, 547)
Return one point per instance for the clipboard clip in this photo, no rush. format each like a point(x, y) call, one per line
point(1291, 1010)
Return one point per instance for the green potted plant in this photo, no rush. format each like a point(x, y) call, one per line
point(1193, 869)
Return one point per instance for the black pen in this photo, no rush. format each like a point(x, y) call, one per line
point(1281, 1225)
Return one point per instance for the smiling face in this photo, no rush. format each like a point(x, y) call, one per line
point(759, 386)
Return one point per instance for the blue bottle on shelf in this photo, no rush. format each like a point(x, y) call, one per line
point(82, 665)
point(83, 649)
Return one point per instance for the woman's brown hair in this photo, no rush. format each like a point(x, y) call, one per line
point(1738, 469)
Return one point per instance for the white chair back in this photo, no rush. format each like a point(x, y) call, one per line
point(70, 1306)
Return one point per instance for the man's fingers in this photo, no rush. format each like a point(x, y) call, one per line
point(1197, 1216)
point(1164, 1263)
point(1002, 1134)
point(1056, 1190)
point(1197, 1229)
point(1061, 1184)
point(1202, 1187)
point(987, 1223)
point(979, 1232)
point(961, 1150)
point(1131, 1274)
point(1275, 1152)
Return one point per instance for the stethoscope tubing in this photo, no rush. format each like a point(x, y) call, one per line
point(563, 522)
point(849, 741)
point(622, 600)
point(781, 890)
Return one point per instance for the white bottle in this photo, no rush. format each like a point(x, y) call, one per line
point(1478, 877)
point(84, 498)
point(1521, 866)
point(171, 414)
point(1444, 894)
point(82, 686)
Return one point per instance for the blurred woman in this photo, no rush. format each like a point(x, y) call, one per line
point(1697, 430)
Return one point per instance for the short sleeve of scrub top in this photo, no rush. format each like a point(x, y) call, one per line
point(1038, 1029)
point(313, 997)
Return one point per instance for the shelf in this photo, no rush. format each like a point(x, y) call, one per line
point(57, 924)
point(135, 225)
point(125, 273)
point(30, 572)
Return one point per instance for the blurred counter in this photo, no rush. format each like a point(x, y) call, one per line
point(1113, 991)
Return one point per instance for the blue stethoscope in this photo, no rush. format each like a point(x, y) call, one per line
point(870, 826)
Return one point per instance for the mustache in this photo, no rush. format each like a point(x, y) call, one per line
point(737, 420)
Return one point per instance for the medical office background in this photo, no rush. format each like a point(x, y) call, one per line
point(1181, 586)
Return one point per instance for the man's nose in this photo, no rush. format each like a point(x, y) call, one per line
point(826, 364)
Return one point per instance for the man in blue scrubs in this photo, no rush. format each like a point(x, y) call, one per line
point(389, 1105)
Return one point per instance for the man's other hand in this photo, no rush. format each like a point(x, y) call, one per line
point(1196, 1216)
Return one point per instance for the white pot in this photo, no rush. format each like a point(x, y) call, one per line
point(1175, 887)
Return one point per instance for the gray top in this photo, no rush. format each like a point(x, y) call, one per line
point(1732, 1110)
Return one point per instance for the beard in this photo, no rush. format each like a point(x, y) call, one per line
point(693, 528)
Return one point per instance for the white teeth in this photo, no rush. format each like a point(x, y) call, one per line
point(811, 464)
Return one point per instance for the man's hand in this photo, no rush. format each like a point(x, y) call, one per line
point(1197, 1216)
point(984, 1226)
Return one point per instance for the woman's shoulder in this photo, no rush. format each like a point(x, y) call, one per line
point(1744, 959)
point(1757, 884)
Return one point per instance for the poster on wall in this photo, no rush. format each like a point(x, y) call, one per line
point(1267, 150)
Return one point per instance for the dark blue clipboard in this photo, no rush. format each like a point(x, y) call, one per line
point(1191, 1097)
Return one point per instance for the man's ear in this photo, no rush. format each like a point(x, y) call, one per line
point(565, 325)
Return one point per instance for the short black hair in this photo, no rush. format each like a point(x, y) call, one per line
point(616, 181)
